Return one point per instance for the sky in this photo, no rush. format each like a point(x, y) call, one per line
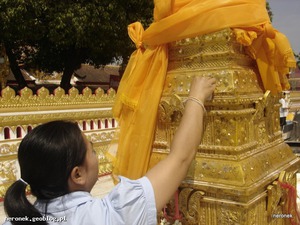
point(286, 19)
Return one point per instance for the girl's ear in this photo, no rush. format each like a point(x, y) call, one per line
point(77, 178)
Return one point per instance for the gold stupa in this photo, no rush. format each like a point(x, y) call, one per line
point(242, 160)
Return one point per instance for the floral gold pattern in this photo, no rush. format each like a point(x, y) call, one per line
point(242, 152)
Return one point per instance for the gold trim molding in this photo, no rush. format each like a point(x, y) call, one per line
point(22, 112)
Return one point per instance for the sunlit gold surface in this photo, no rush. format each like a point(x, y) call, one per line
point(233, 177)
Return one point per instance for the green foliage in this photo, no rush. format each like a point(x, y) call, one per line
point(52, 34)
point(297, 56)
point(269, 11)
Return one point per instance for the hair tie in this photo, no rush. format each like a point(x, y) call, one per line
point(23, 181)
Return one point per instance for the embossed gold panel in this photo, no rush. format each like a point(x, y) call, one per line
point(231, 180)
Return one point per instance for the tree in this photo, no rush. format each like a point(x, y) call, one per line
point(269, 11)
point(54, 35)
point(17, 23)
point(297, 56)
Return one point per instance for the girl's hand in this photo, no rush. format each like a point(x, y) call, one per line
point(202, 88)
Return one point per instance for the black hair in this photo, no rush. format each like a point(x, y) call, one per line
point(46, 155)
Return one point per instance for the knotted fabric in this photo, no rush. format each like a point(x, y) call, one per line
point(140, 89)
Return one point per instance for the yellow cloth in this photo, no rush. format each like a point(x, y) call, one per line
point(140, 89)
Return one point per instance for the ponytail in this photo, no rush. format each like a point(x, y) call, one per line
point(46, 156)
point(17, 206)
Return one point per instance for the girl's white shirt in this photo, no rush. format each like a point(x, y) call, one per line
point(131, 202)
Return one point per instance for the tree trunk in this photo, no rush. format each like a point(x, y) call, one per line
point(72, 62)
point(65, 82)
point(15, 67)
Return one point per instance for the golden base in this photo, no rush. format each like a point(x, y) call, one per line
point(242, 160)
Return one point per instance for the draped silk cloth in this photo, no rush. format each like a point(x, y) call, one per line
point(140, 89)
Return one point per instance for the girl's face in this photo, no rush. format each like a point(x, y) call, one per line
point(91, 165)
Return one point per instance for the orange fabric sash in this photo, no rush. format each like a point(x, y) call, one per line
point(140, 89)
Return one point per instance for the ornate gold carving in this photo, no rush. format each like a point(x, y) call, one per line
point(26, 98)
point(105, 166)
point(8, 149)
point(8, 170)
point(192, 53)
point(274, 197)
point(242, 151)
point(8, 174)
point(24, 111)
point(189, 204)
point(229, 216)
point(278, 197)
point(104, 136)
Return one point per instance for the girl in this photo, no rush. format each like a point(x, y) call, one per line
point(59, 164)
